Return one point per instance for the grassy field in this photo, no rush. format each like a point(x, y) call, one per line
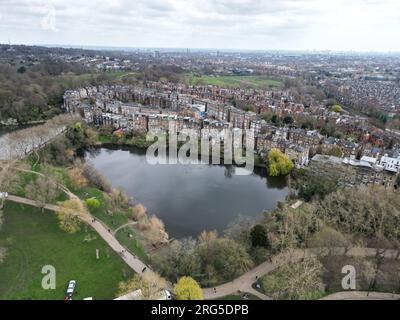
point(33, 239)
point(88, 76)
point(255, 82)
point(133, 244)
point(104, 213)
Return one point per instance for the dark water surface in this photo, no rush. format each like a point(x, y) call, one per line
point(189, 198)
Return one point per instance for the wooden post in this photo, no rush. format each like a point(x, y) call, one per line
point(97, 254)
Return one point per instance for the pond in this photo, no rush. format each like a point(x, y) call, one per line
point(189, 198)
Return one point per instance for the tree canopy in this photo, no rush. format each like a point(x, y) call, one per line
point(336, 108)
point(188, 289)
point(279, 164)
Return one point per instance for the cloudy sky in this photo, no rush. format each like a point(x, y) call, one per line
point(361, 25)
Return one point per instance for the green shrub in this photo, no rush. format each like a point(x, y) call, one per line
point(92, 203)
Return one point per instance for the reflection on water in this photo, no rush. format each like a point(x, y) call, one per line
point(190, 198)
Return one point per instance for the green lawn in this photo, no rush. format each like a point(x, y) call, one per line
point(109, 217)
point(88, 76)
point(133, 244)
point(105, 138)
point(33, 239)
point(255, 82)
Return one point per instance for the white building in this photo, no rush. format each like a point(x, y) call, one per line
point(390, 164)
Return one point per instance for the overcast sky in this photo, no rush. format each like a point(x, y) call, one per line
point(362, 25)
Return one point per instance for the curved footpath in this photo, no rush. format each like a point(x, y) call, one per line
point(243, 283)
point(131, 260)
point(361, 295)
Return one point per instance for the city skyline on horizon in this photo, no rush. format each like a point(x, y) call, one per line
point(254, 25)
point(196, 50)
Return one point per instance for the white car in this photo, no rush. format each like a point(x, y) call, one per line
point(71, 288)
point(165, 295)
point(3, 195)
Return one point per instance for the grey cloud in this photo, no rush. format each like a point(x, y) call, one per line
point(243, 23)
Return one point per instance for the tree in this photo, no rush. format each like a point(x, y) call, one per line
point(328, 239)
point(68, 215)
point(259, 236)
point(21, 69)
point(335, 151)
point(42, 190)
point(188, 289)
point(369, 211)
point(207, 239)
point(239, 230)
point(278, 163)
point(150, 284)
point(77, 178)
point(139, 212)
point(292, 228)
point(6, 177)
point(180, 259)
point(96, 179)
point(119, 199)
point(275, 119)
point(314, 186)
point(91, 136)
point(288, 120)
point(337, 108)
point(296, 281)
point(156, 233)
point(92, 203)
point(224, 259)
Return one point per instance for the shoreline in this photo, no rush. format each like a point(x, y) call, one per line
point(128, 147)
point(258, 171)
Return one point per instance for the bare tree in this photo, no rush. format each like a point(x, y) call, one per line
point(301, 280)
point(42, 190)
point(149, 283)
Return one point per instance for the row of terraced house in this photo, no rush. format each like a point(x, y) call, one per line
point(144, 109)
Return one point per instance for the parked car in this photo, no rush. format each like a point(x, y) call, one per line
point(168, 295)
point(3, 195)
point(165, 295)
point(71, 288)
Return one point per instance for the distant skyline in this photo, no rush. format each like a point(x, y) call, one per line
point(335, 25)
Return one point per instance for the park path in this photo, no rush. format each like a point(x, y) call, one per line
point(242, 284)
point(245, 281)
point(106, 233)
point(62, 187)
point(132, 223)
